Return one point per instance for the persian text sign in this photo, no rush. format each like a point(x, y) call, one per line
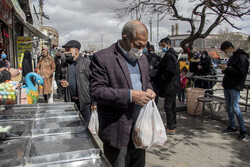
point(23, 44)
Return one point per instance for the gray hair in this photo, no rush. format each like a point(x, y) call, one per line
point(131, 27)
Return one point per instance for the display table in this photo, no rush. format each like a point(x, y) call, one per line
point(47, 135)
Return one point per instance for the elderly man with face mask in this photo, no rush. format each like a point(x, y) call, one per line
point(75, 78)
point(121, 85)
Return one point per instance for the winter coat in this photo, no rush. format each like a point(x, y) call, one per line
point(27, 66)
point(154, 62)
point(58, 72)
point(27, 63)
point(168, 76)
point(46, 67)
point(236, 71)
point(183, 81)
point(82, 81)
point(206, 66)
point(193, 67)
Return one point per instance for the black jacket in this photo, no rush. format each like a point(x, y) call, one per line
point(154, 62)
point(168, 76)
point(82, 81)
point(58, 72)
point(236, 71)
point(206, 66)
point(193, 67)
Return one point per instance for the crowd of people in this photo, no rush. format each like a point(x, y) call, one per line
point(124, 77)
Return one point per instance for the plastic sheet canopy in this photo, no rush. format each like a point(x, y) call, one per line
point(47, 135)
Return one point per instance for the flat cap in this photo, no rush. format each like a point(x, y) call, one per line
point(72, 43)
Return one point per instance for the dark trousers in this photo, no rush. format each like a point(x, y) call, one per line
point(46, 97)
point(85, 112)
point(181, 95)
point(156, 90)
point(169, 106)
point(126, 157)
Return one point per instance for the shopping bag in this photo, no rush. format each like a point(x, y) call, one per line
point(55, 85)
point(52, 90)
point(94, 123)
point(149, 129)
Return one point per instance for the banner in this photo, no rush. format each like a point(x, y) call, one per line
point(23, 44)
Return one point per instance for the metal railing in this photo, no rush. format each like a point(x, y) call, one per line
point(211, 78)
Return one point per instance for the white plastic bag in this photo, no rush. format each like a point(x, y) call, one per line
point(94, 123)
point(149, 129)
point(55, 85)
point(51, 100)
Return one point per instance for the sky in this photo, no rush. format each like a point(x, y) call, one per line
point(89, 21)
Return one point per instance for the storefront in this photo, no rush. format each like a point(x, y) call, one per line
point(6, 24)
point(26, 36)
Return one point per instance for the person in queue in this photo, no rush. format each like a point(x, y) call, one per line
point(120, 83)
point(169, 82)
point(235, 73)
point(154, 61)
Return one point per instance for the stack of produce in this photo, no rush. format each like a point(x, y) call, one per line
point(8, 92)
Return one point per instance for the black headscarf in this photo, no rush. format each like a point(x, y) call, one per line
point(27, 63)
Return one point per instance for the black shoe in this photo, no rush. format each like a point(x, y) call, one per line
point(229, 130)
point(242, 135)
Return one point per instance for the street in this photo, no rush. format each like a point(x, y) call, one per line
point(199, 144)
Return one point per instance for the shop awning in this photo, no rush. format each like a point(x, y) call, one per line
point(36, 31)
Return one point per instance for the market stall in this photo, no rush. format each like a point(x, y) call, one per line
point(47, 135)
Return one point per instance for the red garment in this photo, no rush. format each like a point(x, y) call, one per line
point(183, 81)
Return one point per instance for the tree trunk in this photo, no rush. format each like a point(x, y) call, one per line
point(187, 48)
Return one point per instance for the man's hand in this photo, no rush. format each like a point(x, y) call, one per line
point(64, 83)
point(140, 97)
point(93, 107)
point(3, 69)
point(14, 72)
point(199, 67)
point(152, 93)
point(222, 67)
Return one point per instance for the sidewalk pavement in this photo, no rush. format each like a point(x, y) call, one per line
point(199, 144)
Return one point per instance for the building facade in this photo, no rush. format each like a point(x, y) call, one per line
point(53, 34)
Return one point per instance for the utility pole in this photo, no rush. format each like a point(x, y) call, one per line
point(41, 13)
point(101, 40)
point(157, 32)
point(150, 29)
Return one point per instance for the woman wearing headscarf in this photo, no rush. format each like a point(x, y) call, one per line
point(204, 68)
point(4, 62)
point(45, 68)
point(27, 64)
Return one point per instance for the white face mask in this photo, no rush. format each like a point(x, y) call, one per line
point(228, 54)
point(135, 53)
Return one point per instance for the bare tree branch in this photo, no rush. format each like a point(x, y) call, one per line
point(222, 10)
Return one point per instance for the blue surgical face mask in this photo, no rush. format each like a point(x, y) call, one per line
point(203, 56)
point(165, 49)
point(4, 56)
point(144, 51)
